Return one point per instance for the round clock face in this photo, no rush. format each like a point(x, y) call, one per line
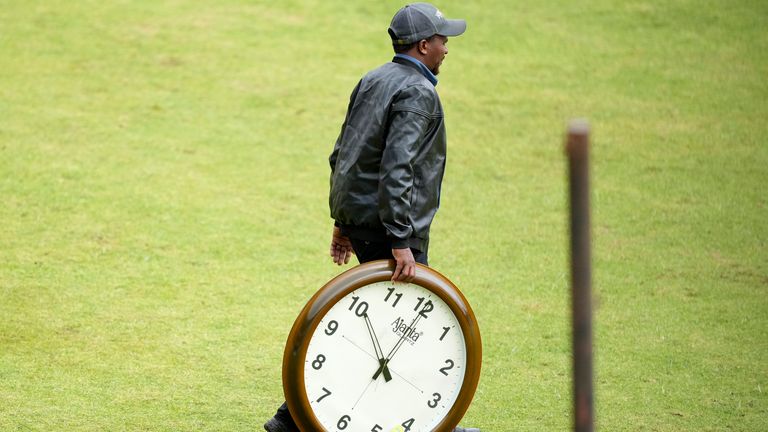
point(367, 354)
point(386, 357)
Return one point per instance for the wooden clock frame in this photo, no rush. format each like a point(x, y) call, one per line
point(365, 274)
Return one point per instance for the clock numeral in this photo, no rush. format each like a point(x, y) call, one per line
point(428, 307)
point(325, 395)
point(433, 402)
point(445, 332)
point(343, 422)
point(397, 296)
point(408, 424)
point(445, 370)
point(333, 326)
point(376, 428)
point(361, 309)
point(318, 363)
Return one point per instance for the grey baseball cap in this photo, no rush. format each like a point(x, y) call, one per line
point(418, 21)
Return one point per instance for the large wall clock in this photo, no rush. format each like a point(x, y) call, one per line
point(370, 355)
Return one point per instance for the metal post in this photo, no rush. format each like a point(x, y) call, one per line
point(577, 149)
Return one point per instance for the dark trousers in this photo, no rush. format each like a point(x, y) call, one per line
point(365, 251)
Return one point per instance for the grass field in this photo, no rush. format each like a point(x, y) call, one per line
point(163, 174)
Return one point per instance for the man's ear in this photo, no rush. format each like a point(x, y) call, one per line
point(422, 45)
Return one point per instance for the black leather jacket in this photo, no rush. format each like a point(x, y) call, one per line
point(388, 162)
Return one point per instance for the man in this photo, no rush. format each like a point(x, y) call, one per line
point(388, 162)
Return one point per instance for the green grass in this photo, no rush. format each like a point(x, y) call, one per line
point(163, 174)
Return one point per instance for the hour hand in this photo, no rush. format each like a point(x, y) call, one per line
point(383, 364)
point(379, 353)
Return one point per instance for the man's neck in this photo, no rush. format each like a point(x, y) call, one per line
point(421, 66)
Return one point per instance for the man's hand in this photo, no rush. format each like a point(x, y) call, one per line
point(405, 270)
point(341, 247)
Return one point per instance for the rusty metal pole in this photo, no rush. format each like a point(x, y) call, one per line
point(577, 149)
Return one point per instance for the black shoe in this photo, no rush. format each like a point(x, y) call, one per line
point(275, 425)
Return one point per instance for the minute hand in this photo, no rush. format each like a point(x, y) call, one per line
point(397, 345)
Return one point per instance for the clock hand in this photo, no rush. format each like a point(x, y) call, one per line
point(362, 394)
point(377, 348)
point(397, 346)
point(374, 339)
point(402, 338)
point(394, 372)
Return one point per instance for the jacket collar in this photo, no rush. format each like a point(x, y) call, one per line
point(416, 64)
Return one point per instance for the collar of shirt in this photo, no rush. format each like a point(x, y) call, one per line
point(422, 67)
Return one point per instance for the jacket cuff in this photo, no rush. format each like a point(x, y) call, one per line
point(400, 244)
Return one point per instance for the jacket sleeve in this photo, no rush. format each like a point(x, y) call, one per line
point(409, 119)
point(335, 153)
